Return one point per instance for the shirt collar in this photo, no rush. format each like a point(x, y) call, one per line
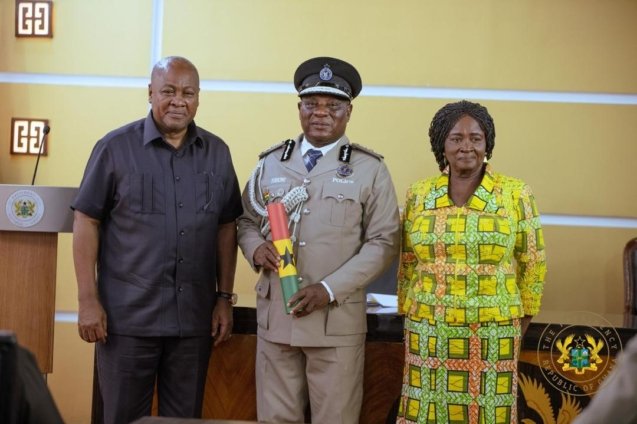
point(306, 145)
point(483, 199)
point(151, 133)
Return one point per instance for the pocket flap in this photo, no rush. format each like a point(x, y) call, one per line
point(262, 288)
point(341, 192)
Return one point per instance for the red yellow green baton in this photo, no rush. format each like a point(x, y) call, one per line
point(281, 238)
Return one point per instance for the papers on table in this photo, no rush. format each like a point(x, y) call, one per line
point(382, 303)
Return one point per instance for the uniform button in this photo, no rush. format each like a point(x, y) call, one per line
point(340, 197)
point(180, 260)
point(300, 279)
point(177, 178)
point(306, 211)
point(182, 232)
point(306, 181)
point(180, 289)
point(301, 243)
point(180, 204)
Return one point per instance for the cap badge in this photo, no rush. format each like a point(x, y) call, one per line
point(326, 73)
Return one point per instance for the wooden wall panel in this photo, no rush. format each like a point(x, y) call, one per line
point(230, 387)
point(27, 290)
point(231, 391)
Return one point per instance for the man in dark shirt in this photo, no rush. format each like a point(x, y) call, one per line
point(154, 246)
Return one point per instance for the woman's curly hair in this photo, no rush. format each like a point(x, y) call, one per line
point(445, 119)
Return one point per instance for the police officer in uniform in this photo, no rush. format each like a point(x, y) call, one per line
point(344, 225)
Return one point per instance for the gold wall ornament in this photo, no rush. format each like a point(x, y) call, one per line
point(26, 136)
point(34, 19)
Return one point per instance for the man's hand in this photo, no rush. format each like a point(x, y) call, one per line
point(222, 321)
point(92, 321)
point(309, 299)
point(267, 257)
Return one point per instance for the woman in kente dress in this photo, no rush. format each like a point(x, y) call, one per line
point(470, 280)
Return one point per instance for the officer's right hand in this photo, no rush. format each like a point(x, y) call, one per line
point(92, 321)
point(267, 257)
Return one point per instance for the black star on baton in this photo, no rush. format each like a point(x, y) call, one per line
point(288, 258)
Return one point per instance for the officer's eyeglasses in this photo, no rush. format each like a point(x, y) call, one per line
point(332, 106)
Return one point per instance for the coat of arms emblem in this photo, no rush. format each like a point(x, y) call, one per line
point(580, 354)
point(24, 208)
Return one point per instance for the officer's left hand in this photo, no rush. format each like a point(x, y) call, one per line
point(222, 321)
point(309, 299)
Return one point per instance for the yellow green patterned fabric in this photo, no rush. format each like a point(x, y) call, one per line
point(457, 262)
point(460, 373)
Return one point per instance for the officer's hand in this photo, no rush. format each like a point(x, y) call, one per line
point(309, 299)
point(267, 257)
point(91, 323)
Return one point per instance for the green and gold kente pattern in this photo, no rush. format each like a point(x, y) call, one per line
point(481, 262)
point(460, 373)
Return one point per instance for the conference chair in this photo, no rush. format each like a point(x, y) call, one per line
point(8, 377)
point(24, 396)
point(630, 277)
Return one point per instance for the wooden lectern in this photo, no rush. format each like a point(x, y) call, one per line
point(30, 219)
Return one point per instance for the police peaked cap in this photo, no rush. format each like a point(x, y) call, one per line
point(327, 75)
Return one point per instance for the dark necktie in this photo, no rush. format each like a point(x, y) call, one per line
point(311, 157)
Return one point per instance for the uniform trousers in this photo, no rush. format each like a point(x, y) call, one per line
point(129, 367)
point(332, 377)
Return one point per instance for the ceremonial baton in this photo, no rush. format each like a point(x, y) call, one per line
point(281, 238)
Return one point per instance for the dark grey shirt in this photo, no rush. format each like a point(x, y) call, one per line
point(159, 209)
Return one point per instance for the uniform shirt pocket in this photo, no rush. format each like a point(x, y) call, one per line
point(341, 204)
point(146, 193)
point(209, 193)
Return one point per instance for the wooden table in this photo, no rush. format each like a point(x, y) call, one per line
point(167, 420)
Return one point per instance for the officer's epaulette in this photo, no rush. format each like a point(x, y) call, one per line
point(367, 150)
point(271, 149)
